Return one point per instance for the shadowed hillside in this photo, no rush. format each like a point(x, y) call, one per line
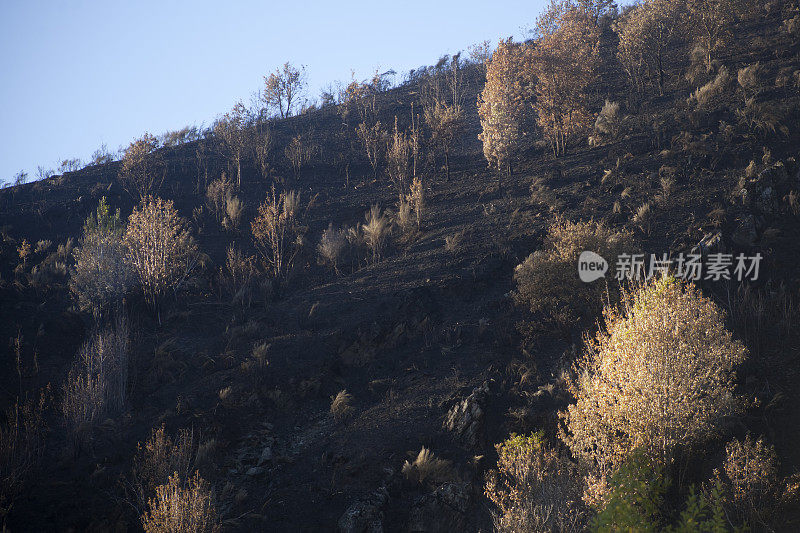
point(299, 396)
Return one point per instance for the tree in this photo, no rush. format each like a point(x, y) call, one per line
point(446, 123)
point(142, 169)
point(161, 248)
point(399, 160)
point(277, 231)
point(373, 140)
point(20, 178)
point(101, 276)
point(501, 105)
point(711, 22)
point(233, 131)
point(480, 54)
point(659, 375)
point(564, 63)
point(648, 34)
point(283, 88)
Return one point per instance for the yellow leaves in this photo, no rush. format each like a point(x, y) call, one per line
point(666, 364)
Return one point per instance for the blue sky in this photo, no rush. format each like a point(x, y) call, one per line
point(77, 74)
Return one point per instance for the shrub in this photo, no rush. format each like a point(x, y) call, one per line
point(180, 507)
point(427, 467)
point(750, 78)
point(238, 275)
point(658, 375)
point(635, 502)
point(142, 170)
point(332, 246)
point(750, 480)
point(161, 249)
point(277, 231)
point(102, 275)
point(534, 488)
point(156, 460)
point(547, 281)
point(96, 385)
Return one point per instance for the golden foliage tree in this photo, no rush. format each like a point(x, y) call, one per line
point(502, 107)
point(141, 172)
point(658, 376)
point(161, 248)
point(283, 88)
point(564, 63)
point(648, 35)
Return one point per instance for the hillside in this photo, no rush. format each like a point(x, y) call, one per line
point(428, 334)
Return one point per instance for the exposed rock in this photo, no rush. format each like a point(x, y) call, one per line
point(366, 514)
point(444, 509)
point(266, 456)
point(465, 419)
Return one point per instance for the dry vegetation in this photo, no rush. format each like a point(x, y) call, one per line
point(309, 291)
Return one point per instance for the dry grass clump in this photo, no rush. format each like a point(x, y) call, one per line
point(534, 488)
point(453, 242)
point(181, 507)
point(659, 375)
point(707, 97)
point(96, 385)
point(332, 246)
point(608, 124)
point(750, 78)
point(376, 231)
point(763, 118)
point(547, 281)
point(643, 217)
point(340, 405)
point(234, 208)
point(427, 467)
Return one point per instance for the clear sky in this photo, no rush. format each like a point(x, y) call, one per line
point(76, 74)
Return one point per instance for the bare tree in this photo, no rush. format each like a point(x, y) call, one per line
point(233, 130)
